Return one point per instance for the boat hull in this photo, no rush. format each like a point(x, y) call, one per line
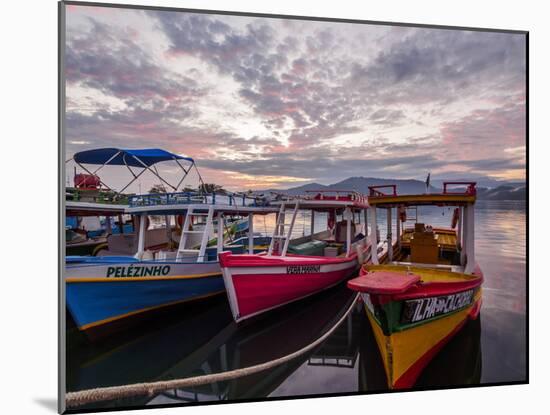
point(411, 326)
point(405, 354)
point(258, 283)
point(99, 294)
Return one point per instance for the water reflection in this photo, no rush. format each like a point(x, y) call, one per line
point(205, 340)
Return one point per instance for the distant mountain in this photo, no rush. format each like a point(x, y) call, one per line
point(358, 184)
point(480, 181)
point(509, 191)
point(300, 190)
point(505, 192)
point(361, 184)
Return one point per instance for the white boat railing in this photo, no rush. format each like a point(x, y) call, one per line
point(183, 198)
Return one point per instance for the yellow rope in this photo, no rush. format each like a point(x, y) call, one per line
point(83, 397)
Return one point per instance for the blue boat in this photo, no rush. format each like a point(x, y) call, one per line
point(181, 267)
point(124, 286)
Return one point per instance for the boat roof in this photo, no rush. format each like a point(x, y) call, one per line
point(200, 208)
point(327, 199)
point(73, 208)
point(448, 197)
point(127, 157)
point(174, 203)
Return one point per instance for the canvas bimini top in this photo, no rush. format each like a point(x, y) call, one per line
point(144, 159)
point(127, 157)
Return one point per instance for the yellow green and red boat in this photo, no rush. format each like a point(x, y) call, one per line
point(425, 287)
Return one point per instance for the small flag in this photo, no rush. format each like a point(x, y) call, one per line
point(428, 183)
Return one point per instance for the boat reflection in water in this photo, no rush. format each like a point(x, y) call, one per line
point(206, 340)
point(341, 349)
point(457, 364)
point(203, 339)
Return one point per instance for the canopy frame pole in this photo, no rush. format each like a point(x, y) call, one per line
point(373, 241)
point(132, 181)
point(155, 167)
point(152, 171)
point(201, 182)
point(93, 174)
point(131, 171)
point(104, 164)
point(184, 176)
point(127, 166)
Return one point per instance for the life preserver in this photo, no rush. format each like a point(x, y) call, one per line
point(331, 220)
point(454, 221)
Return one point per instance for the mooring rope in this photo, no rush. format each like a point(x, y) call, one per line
point(84, 397)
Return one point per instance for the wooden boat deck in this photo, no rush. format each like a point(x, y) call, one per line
point(426, 274)
point(446, 238)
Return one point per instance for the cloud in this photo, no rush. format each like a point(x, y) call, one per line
point(110, 60)
point(276, 87)
point(486, 133)
point(296, 100)
point(443, 65)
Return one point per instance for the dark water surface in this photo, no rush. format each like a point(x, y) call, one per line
point(202, 338)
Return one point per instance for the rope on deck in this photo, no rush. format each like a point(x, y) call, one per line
point(83, 397)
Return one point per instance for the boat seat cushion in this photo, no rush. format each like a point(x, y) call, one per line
point(383, 282)
point(315, 248)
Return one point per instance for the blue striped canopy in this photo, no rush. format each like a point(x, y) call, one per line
point(124, 157)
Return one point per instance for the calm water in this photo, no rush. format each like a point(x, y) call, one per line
point(202, 338)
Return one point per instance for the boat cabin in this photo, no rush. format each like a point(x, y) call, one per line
point(423, 243)
point(344, 212)
point(89, 226)
point(197, 226)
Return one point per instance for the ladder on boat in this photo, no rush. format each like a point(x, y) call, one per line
point(280, 234)
point(186, 251)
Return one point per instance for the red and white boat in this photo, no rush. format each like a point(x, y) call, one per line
point(292, 269)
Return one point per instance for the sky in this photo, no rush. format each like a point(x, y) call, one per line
point(275, 103)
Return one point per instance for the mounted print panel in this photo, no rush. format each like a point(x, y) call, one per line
point(260, 206)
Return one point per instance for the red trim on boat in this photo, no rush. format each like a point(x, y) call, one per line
point(228, 260)
point(414, 290)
